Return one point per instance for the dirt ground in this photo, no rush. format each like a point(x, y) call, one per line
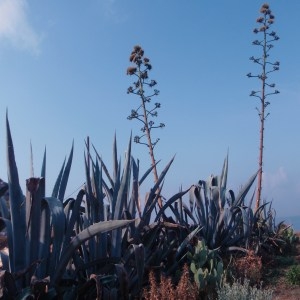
point(283, 290)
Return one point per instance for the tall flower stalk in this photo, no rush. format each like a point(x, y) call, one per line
point(143, 87)
point(265, 43)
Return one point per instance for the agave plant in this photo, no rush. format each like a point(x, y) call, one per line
point(40, 235)
point(111, 196)
point(224, 218)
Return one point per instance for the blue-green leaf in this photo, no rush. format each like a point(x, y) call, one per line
point(83, 236)
point(17, 206)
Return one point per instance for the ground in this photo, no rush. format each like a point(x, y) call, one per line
point(282, 289)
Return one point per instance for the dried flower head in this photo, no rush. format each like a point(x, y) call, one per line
point(132, 56)
point(137, 48)
point(263, 10)
point(263, 28)
point(131, 70)
point(260, 19)
point(265, 5)
point(146, 60)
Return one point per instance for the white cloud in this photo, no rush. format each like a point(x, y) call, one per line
point(276, 179)
point(110, 9)
point(15, 27)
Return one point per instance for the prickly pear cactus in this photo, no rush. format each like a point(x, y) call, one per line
point(206, 266)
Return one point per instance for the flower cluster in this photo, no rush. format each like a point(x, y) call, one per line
point(265, 20)
point(143, 88)
point(266, 66)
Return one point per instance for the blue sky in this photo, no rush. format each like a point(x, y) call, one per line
point(63, 77)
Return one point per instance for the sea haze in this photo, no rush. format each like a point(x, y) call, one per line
point(294, 221)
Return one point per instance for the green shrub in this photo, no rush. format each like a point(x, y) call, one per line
point(293, 275)
point(239, 291)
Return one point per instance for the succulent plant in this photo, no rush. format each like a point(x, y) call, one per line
point(207, 266)
point(224, 217)
point(42, 238)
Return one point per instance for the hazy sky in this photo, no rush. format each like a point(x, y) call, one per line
point(63, 77)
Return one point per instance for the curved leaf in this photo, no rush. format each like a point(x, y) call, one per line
point(83, 236)
point(242, 194)
point(170, 202)
point(65, 176)
point(58, 180)
point(53, 222)
point(187, 240)
point(17, 205)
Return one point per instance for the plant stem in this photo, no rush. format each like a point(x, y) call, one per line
point(150, 146)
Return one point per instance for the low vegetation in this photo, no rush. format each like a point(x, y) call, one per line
point(293, 275)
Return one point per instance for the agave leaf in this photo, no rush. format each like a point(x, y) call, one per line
point(231, 198)
point(134, 204)
point(75, 214)
point(147, 173)
point(170, 202)
point(189, 213)
point(250, 214)
point(153, 191)
point(45, 242)
point(196, 191)
point(192, 199)
point(97, 245)
point(83, 236)
point(223, 183)
point(122, 192)
point(121, 204)
point(89, 198)
point(235, 248)
point(149, 207)
point(260, 209)
point(31, 161)
point(206, 204)
point(65, 176)
point(17, 206)
point(122, 279)
point(58, 228)
point(104, 168)
point(115, 160)
point(180, 206)
point(58, 180)
point(246, 222)
point(178, 215)
point(242, 194)
point(186, 241)
point(252, 198)
point(43, 171)
point(108, 192)
point(34, 194)
point(115, 190)
point(98, 187)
